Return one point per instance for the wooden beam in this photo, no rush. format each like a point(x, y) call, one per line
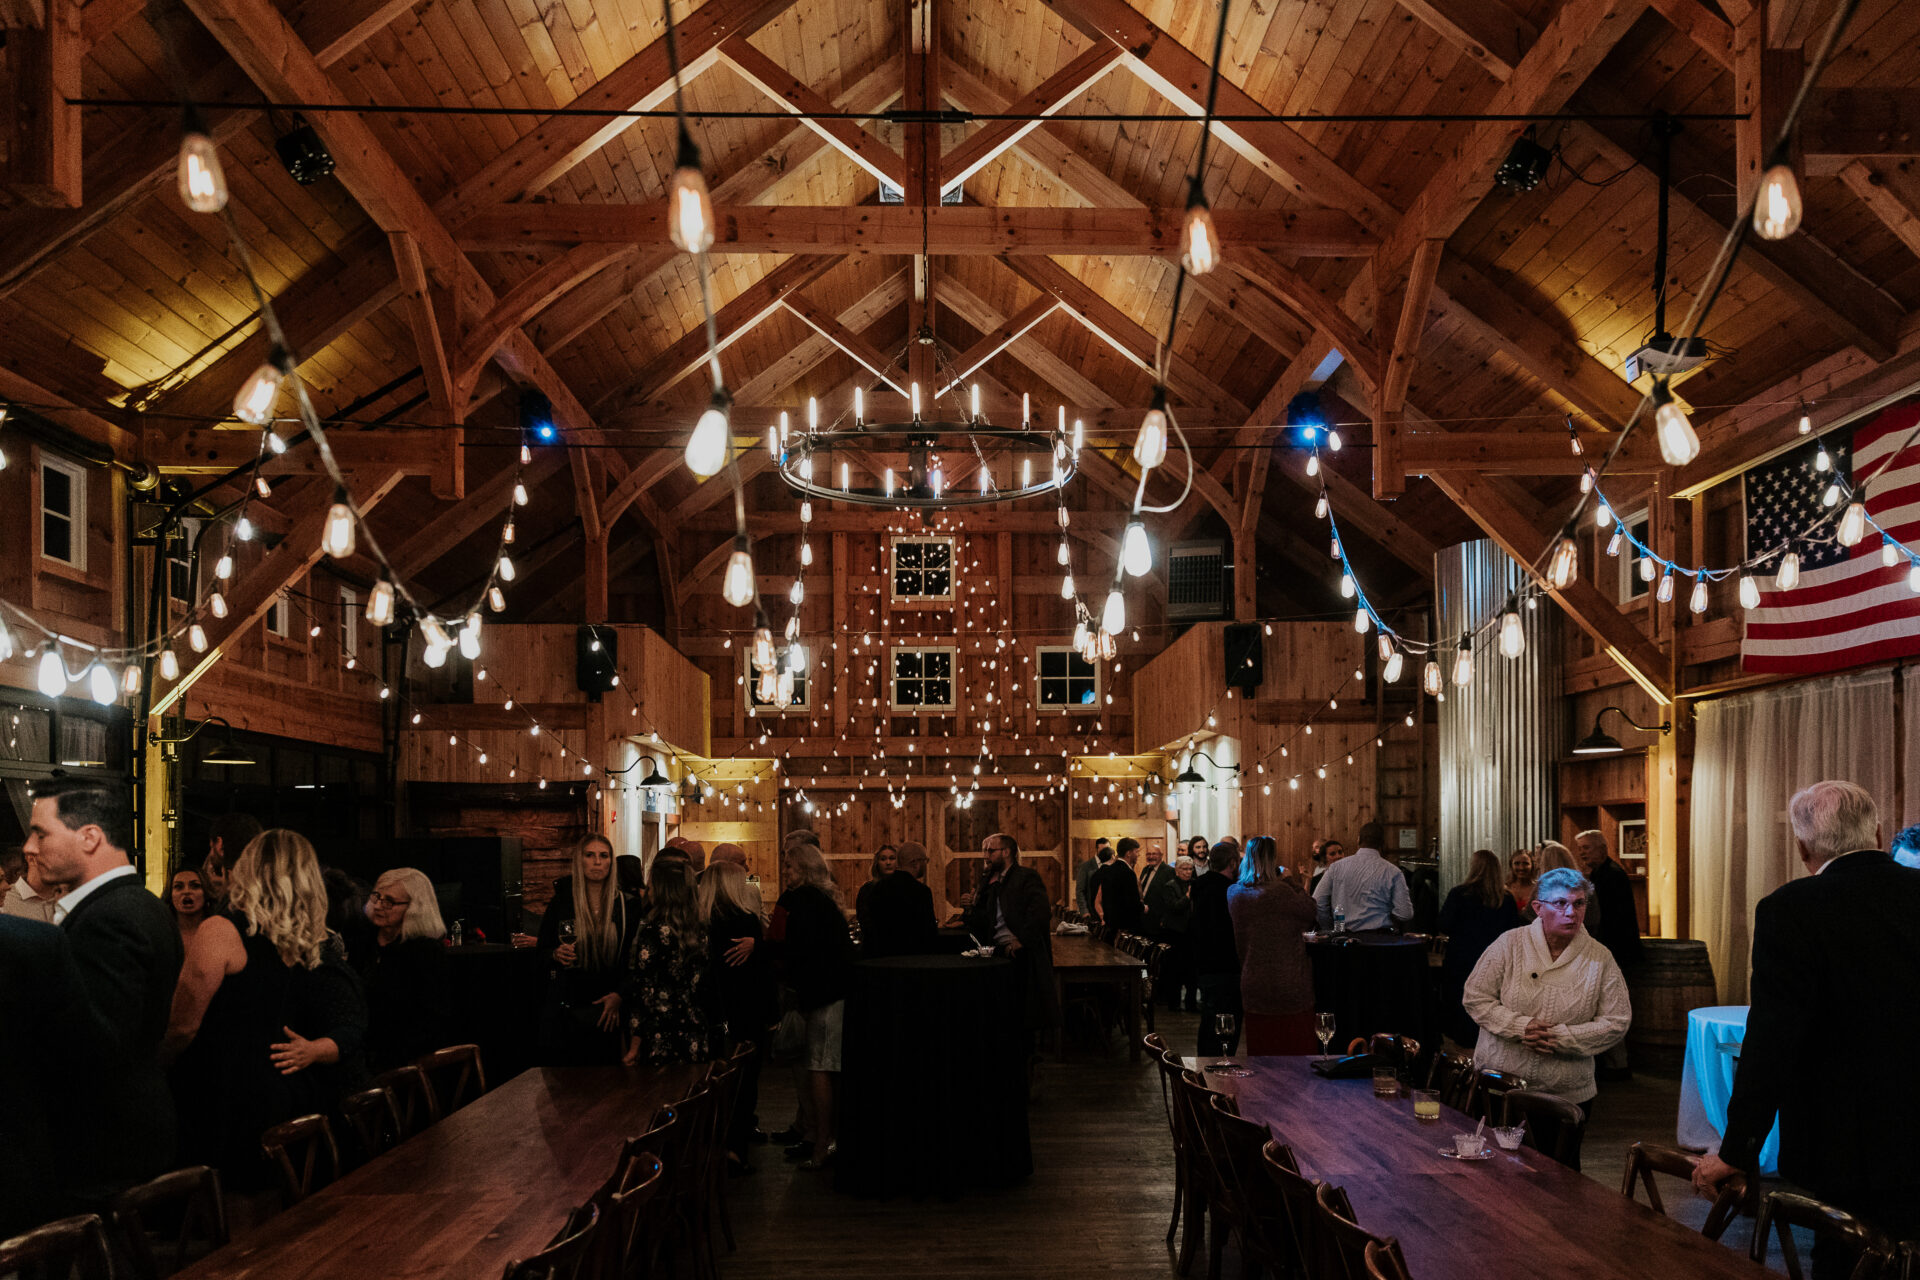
point(1487, 31)
point(252, 595)
point(43, 136)
point(526, 300)
point(779, 84)
point(1892, 192)
point(1710, 32)
point(1093, 401)
point(1522, 453)
point(987, 143)
point(1410, 325)
point(864, 353)
point(632, 489)
point(768, 383)
point(1495, 510)
point(641, 83)
point(999, 338)
point(1860, 122)
point(1764, 80)
point(485, 505)
point(416, 295)
point(412, 451)
point(1259, 425)
point(1316, 308)
point(949, 230)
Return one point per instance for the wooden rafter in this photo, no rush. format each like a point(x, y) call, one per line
point(520, 304)
point(484, 505)
point(417, 295)
point(982, 147)
point(999, 338)
point(1892, 192)
point(1315, 307)
point(864, 353)
point(1488, 31)
point(1404, 306)
point(779, 84)
point(43, 134)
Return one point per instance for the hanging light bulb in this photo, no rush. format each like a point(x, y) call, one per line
point(1066, 587)
point(1136, 553)
point(689, 204)
point(470, 638)
point(1347, 586)
point(1806, 420)
point(130, 680)
point(1430, 679)
point(276, 446)
point(1889, 552)
point(1853, 525)
point(506, 533)
point(51, 675)
point(1821, 462)
point(1913, 578)
point(762, 655)
point(889, 482)
point(217, 605)
point(806, 512)
point(336, 537)
point(1602, 516)
point(1063, 556)
point(1080, 635)
point(1113, 618)
point(1749, 591)
point(1789, 575)
point(1776, 213)
point(737, 588)
point(1665, 593)
point(1565, 565)
point(1313, 464)
point(1199, 242)
point(519, 494)
point(1396, 662)
point(203, 187)
point(254, 402)
point(1648, 568)
point(1831, 498)
point(1613, 543)
point(1697, 602)
point(1362, 620)
point(1678, 443)
point(1463, 661)
point(380, 603)
point(223, 567)
point(1333, 440)
point(711, 441)
point(169, 665)
point(1384, 643)
point(937, 481)
point(506, 569)
point(1513, 639)
point(798, 592)
point(1320, 507)
point(435, 655)
point(806, 553)
point(1150, 446)
point(773, 444)
point(197, 638)
point(243, 529)
point(496, 599)
point(1586, 480)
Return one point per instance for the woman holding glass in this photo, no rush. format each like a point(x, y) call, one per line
point(584, 936)
point(1271, 917)
point(1548, 998)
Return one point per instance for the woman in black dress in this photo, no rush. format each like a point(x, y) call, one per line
point(663, 997)
point(403, 964)
point(741, 1000)
point(584, 937)
point(1478, 910)
point(886, 860)
point(268, 1022)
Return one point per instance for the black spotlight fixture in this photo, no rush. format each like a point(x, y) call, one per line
point(655, 780)
point(1602, 743)
point(1525, 166)
point(306, 157)
point(1190, 775)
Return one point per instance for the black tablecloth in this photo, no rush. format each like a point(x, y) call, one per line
point(933, 1087)
point(1377, 982)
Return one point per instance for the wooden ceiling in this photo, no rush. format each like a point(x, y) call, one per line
point(454, 255)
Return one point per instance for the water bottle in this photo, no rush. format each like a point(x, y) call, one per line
point(1339, 919)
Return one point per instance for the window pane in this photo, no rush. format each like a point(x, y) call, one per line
point(939, 693)
point(907, 582)
point(1082, 692)
point(935, 583)
point(25, 733)
point(939, 664)
point(906, 665)
point(56, 537)
point(1053, 662)
point(909, 555)
point(56, 491)
point(939, 555)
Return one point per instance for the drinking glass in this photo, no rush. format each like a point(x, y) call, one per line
point(1426, 1106)
point(566, 930)
point(1224, 1025)
point(1386, 1082)
point(1323, 1029)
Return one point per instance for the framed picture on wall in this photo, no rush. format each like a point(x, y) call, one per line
point(1633, 844)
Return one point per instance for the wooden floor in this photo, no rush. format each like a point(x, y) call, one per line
point(1098, 1200)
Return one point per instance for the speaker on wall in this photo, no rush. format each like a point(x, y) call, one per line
point(1246, 660)
point(596, 659)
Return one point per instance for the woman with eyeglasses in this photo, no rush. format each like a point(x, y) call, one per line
point(1548, 998)
point(403, 967)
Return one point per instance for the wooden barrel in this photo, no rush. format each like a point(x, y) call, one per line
point(1674, 976)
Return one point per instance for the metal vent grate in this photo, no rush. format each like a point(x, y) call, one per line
point(1196, 580)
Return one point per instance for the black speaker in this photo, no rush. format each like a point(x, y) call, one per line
point(596, 660)
point(1246, 660)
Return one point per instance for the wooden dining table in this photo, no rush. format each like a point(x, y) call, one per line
point(1518, 1213)
point(1081, 958)
point(489, 1184)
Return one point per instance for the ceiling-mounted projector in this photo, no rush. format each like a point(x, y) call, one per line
point(1664, 355)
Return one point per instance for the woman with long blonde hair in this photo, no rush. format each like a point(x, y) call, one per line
point(267, 1021)
point(741, 1000)
point(584, 936)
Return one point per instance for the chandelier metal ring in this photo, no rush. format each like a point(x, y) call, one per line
point(918, 438)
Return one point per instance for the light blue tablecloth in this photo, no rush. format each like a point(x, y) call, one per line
point(1706, 1086)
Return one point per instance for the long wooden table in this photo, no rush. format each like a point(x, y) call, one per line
point(488, 1184)
point(1519, 1213)
point(1086, 959)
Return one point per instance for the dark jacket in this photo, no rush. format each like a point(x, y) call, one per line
point(1117, 889)
point(1212, 929)
point(1617, 923)
point(739, 995)
point(1471, 927)
point(1169, 909)
point(127, 951)
point(813, 947)
point(1021, 895)
point(47, 1031)
point(407, 1000)
point(1836, 961)
point(896, 918)
point(1083, 883)
point(575, 984)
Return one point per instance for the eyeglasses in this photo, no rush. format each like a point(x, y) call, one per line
point(1563, 904)
point(379, 899)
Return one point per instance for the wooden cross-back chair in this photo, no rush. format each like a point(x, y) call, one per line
point(1555, 1126)
point(412, 1098)
point(1301, 1197)
point(1348, 1242)
point(567, 1255)
point(1783, 1210)
point(1256, 1212)
point(304, 1154)
point(375, 1117)
point(622, 1242)
point(194, 1213)
point(1645, 1159)
point(455, 1076)
point(74, 1246)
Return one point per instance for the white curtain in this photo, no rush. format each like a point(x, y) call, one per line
point(1751, 753)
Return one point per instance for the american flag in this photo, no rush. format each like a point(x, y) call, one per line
point(1848, 609)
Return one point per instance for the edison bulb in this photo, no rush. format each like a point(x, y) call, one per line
point(1396, 662)
point(707, 446)
point(1697, 601)
point(737, 589)
point(1430, 679)
point(1150, 446)
point(1776, 214)
point(806, 553)
point(337, 538)
point(1463, 663)
point(203, 187)
point(1789, 575)
point(1320, 507)
point(197, 638)
point(506, 569)
point(1513, 638)
point(1113, 618)
point(470, 638)
point(1565, 565)
point(223, 568)
point(169, 665)
point(1066, 587)
point(519, 494)
point(1362, 620)
point(1889, 553)
point(1199, 242)
point(1136, 552)
point(254, 401)
point(496, 599)
point(1853, 525)
point(51, 675)
point(1347, 587)
point(1749, 591)
point(1602, 516)
point(380, 603)
point(1063, 556)
point(689, 203)
point(1678, 443)
point(217, 605)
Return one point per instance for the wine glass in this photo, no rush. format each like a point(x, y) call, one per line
point(1224, 1026)
point(1323, 1031)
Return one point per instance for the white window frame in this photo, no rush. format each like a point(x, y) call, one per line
point(914, 708)
point(1066, 708)
point(953, 568)
point(189, 533)
point(802, 707)
point(278, 607)
point(350, 622)
point(1631, 588)
point(76, 476)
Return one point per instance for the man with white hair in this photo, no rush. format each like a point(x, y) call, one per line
point(1831, 1034)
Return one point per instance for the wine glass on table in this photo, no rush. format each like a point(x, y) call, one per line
point(1225, 1026)
point(1323, 1031)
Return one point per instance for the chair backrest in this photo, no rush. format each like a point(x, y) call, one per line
point(454, 1075)
point(1300, 1196)
point(304, 1153)
point(1489, 1086)
point(1555, 1126)
point(1783, 1210)
point(412, 1096)
point(375, 1117)
point(1645, 1159)
point(1265, 1226)
point(1385, 1262)
point(566, 1256)
point(622, 1242)
point(1191, 1098)
point(655, 1139)
point(189, 1205)
point(60, 1248)
point(1348, 1241)
point(1452, 1075)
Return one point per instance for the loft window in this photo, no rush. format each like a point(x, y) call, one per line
point(923, 568)
point(63, 512)
point(1068, 681)
point(758, 706)
point(277, 616)
point(180, 560)
point(923, 679)
point(349, 622)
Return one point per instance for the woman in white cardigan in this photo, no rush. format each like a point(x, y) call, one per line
point(1548, 998)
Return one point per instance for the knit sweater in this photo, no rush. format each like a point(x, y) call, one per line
point(1582, 994)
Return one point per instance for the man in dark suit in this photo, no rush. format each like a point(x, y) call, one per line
point(1117, 891)
point(46, 1032)
point(1835, 966)
point(127, 952)
point(1012, 912)
point(1216, 961)
point(896, 913)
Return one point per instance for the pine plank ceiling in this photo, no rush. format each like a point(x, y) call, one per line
point(132, 302)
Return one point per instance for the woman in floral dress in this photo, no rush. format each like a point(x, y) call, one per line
point(666, 965)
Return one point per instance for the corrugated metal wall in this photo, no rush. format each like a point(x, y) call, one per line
point(1500, 735)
